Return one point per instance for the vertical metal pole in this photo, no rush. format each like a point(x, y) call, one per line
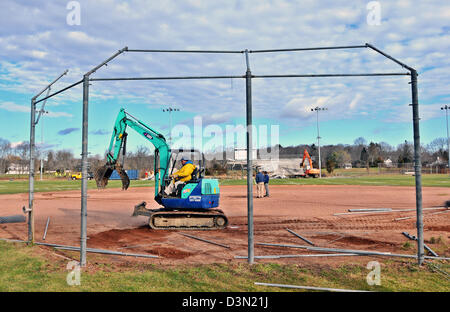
point(42, 144)
point(84, 171)
point(248, 89)
point(31, 172)
point(417, 167)
point(318, 143)
point(448, 144)
point(170, 127)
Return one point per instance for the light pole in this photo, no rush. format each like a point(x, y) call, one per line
point(317, 109)
point(446, 108)
point(170, 110)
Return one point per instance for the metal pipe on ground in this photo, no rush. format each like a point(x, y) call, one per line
point(13, 219)
point(299, 236)
point(108, 252)
point(393, 210)
point(369, 209)
point(309, 287)
point(204, 240)
point(360, 252)
point(412, 237)
point(75, 248)
point(299, 256)
point(46, 228)
point(427, 215)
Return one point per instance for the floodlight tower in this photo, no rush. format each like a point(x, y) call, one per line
point(317, 109)
point(170, 110)
point(446, 108)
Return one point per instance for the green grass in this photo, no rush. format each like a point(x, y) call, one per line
point(21, 186)
point(438, 180)
point(25, 268)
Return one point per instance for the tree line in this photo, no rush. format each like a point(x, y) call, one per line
point(359, 154)
point(370, 154)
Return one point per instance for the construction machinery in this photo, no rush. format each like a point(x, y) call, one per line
point(307, 166)
point(194, 203)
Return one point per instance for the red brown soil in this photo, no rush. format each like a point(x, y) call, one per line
point(307, 210)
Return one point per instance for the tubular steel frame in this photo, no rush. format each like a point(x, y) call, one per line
point(248, 78)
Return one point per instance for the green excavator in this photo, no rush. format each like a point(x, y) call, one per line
point(194, 203)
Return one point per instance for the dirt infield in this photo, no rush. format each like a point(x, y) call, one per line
point(307, 210)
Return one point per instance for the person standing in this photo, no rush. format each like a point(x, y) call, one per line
point(259, 184)
point(266, 183)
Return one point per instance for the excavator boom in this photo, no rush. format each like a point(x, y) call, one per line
point(310, 170)
point(118, 144)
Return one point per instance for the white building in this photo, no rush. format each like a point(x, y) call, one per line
point(15, 168)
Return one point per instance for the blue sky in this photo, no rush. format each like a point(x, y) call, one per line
point(37, 44)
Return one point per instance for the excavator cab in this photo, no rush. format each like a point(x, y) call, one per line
point(193, 204)
point(197, 193)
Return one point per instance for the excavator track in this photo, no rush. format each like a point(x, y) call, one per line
point(213, 219)
point(170, 219)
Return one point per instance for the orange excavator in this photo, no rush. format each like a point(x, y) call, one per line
point(307, 166)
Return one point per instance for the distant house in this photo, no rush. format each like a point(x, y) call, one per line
point(347, 166)
point(15, 168)
point(388, 163)
point(437, 162)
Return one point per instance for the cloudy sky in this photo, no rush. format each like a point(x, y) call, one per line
point(40, 39)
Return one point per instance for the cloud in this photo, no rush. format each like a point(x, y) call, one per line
point(58, 114)
point(67, 131)
point(355, 101)
point(39, 45)
point(15, 144)
point(300, 106)
point(100, 132)
point(13, 107)
point(44, 146)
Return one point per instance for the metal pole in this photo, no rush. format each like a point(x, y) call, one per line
point(42, 144)
point(33, 123)
point(417, 167)
point(50, 84)
point(46, 228)
point(170, 127)
point(248, 89)
point(84, 171)
point(318, 143)
point(31, 172)
point(359, 252)
point(448, 144)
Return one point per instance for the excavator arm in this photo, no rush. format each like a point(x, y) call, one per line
point(306, 156)
point(118, 144)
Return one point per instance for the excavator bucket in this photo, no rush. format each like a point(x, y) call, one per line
point(123, 176)
point(102, 175)
point(104, 172)
point(140, 210)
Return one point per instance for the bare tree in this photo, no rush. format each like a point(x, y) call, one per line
point(360, 141)
point(438, 148)
point(64, 160)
